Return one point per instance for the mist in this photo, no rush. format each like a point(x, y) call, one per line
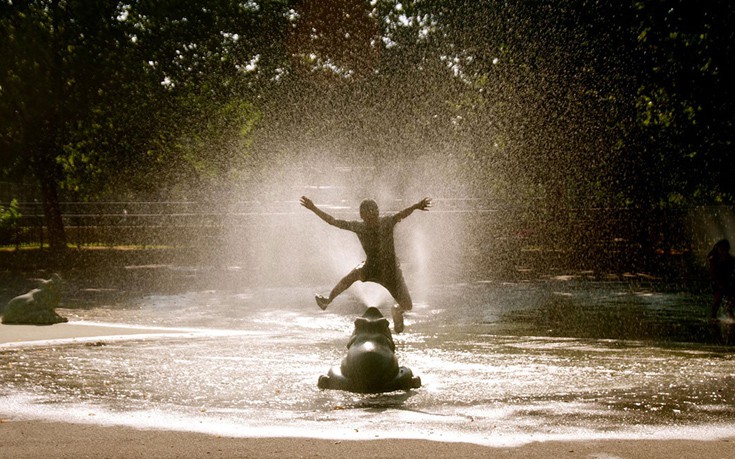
point(285, 244)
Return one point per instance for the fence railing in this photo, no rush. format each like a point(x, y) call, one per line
point(616, 236)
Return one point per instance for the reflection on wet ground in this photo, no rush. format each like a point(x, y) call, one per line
point(500, 362)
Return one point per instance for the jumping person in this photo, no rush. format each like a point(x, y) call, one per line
point(380, 266)
point(721, 267)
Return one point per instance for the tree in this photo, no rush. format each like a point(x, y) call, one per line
point(101, 93)
point(685, 101)
point(594, 103)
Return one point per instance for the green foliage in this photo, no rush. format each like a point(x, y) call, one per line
point(10, 215)
point(594, 103)
point(105, 95)
point(9, 219)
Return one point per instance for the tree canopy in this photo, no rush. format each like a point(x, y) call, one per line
point(582, 102)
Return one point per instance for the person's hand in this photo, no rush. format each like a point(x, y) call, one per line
point(308, 203)
point(424, 204)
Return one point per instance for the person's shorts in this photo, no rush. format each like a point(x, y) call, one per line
point(392, 281)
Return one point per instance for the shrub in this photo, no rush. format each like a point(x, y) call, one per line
point(9, 218)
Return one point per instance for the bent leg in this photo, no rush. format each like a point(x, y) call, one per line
point(717, 300)
point(351, 277)
point(729, 304)
point(400, 293)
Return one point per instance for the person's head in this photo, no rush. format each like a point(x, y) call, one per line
point(722, 246)
point(369, 210)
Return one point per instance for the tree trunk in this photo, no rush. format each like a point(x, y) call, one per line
point(52, 213)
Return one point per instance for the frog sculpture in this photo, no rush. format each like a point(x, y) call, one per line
point(371, 365)
point(37, 306)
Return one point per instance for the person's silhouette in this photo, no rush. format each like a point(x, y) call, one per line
point(721, 266)
point(380, 266)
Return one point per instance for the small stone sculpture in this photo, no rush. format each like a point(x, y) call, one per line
point(37, 306)
point(370, 365)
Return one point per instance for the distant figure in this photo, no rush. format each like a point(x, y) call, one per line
point(721, 267)
point(380, 266)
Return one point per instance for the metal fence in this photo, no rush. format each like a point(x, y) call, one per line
point(118, 223)
point(617, 237)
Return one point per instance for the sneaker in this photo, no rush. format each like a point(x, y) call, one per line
point(397, 313)
point(322, 302)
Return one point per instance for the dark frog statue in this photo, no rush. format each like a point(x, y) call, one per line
point(371, 365)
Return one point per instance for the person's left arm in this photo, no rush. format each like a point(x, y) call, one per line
point(424, 204)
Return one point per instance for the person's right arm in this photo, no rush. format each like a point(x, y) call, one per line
point(309, 204)
point(353, 226)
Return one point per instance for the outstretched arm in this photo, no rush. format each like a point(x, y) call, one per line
point(424, 204)
point(309, 204)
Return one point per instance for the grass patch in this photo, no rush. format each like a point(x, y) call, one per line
point(92, 246)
